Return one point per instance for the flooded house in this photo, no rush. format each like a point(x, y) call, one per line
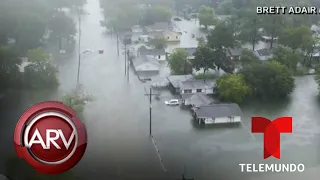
point(196, 100)
point(158, 53)
point(264, 54)
point(190, 51)
point(146, 66)
point(217, 114)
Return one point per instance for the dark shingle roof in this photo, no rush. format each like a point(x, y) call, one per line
point(264, 52)
point(145, 59)
point(155, 52)
point(218, 110)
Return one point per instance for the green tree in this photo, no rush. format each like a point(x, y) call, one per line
point(296, 38)
point(221, 37)
point(273, 25)
point(155, 14)
point(233, 88)
point(158, 42)
point(40, 73)
point(62, 27)
point(250, 27)
point(248, 58)
point(270, 80)
point(287, 57)
point(207, 16)
point(317, 76)
point(178, 62)
point(9, 71)
point(76, 101)
point(226, 8)
point(203, 59)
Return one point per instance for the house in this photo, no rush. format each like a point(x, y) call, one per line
point(190, 51)
point(146, 64)
point(174, 81)
point(268, 38)
point(217, 114)
point(196, 100)
point(234, 53)
point(172, 36)
point(158, 27)
point(264, 54)
point(136, 29)
point(197, 86)
point(158, 53)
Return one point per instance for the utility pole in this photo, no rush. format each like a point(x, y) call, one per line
point(118, 42)
point(150, 109)
point(125, 59)
point(128, 64)
point(79, 48)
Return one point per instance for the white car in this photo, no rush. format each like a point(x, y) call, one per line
point(172, 102)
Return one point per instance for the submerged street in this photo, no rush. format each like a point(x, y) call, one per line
point(117, 121)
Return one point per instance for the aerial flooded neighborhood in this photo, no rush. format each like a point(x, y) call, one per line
point(166, 88)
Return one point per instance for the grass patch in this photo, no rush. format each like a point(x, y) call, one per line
point(205, 76)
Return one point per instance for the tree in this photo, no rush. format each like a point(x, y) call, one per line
point(158, 42)
point(273, 25)
point(226, 8)
point(201, 40)
point(206, 16)
point(221, 37)
point(287, 57)
point(9, 71)
point(155, 14)
point(76, 101)
point(317, 77)
point(233, 88)
point(178, 62)
point(270, 80)
point(40, 73)
point(248, 58)
point(250, 28)
point(203, 59)
point(296, 38)
point(62, 27)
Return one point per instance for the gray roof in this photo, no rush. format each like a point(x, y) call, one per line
point(155, 52)
point(197, 99)
point(176, 79)
point(196, 84)
point(145, 59)
point(234, 51)
point(218, 110)
point(190, 50)
point(264, 54)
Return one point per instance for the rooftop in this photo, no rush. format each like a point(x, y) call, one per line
point(264, 54)
point(197, 99)
point(218, 110)
point(145, 59)
point(176, 79)
point(156, 51)
point(196, 84)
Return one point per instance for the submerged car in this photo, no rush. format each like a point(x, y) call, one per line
point(172, 102)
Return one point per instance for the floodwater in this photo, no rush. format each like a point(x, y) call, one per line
point(117, 120)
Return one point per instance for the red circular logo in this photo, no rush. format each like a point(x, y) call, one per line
point(50, 137)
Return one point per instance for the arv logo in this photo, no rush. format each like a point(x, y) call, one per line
point(271, 131)
point(50, 137)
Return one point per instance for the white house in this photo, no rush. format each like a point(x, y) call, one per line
point(196, 100)
point(146, 64)
point(158, 53)
point(197, 86)
point(218, 114)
